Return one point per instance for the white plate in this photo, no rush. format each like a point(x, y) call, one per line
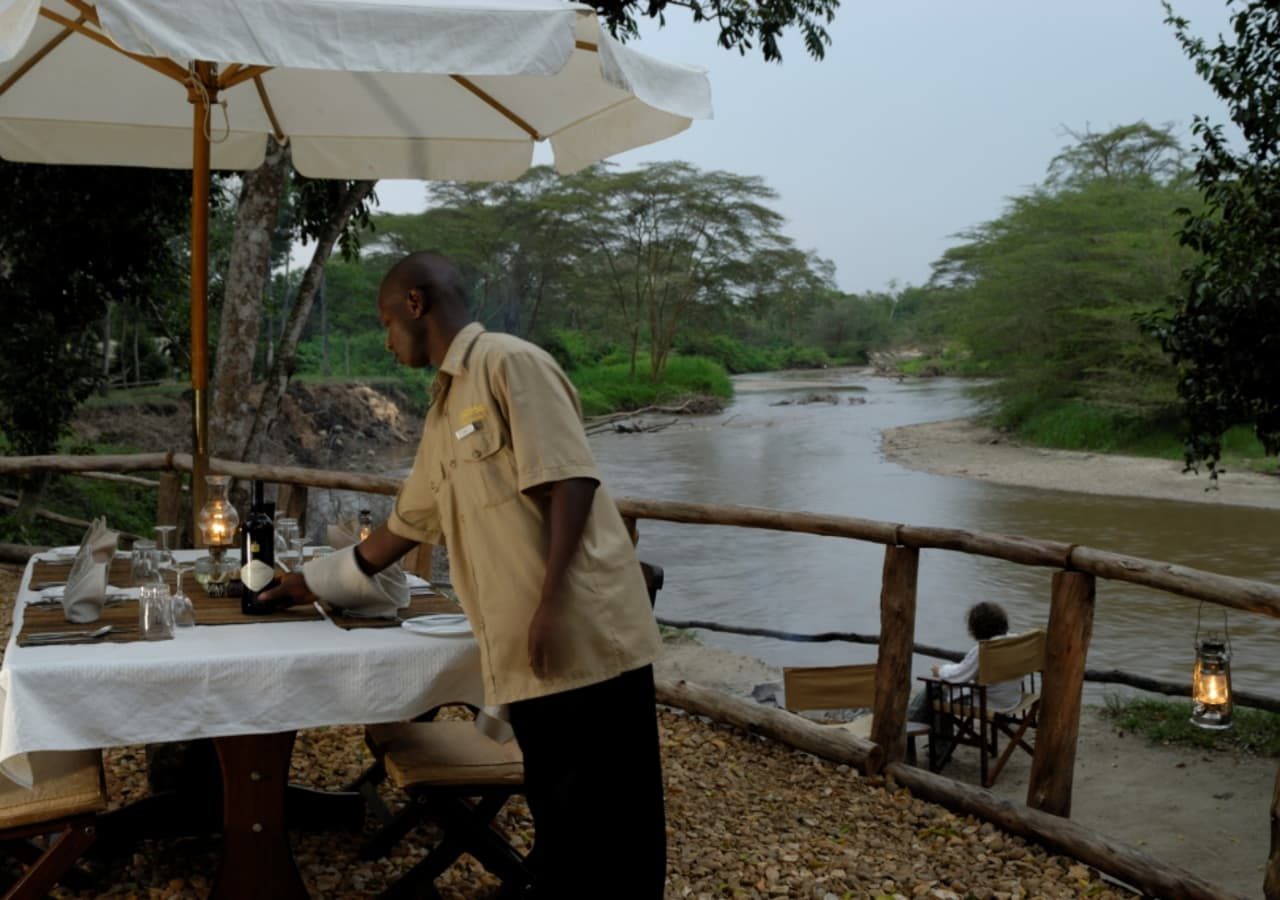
point(439, 625)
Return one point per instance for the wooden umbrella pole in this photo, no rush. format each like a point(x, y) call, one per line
point(201, 91)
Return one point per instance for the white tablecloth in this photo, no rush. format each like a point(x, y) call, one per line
point(214, 681)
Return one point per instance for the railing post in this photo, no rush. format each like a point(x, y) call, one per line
point(1271, 884)
point(169, 499)
point(1067, 644)
point(897, 635)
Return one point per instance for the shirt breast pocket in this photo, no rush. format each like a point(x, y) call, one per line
point(488, 467)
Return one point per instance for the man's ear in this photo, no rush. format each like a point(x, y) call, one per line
point(417, 301)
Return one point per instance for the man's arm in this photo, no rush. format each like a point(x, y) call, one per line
point(379, 550)
point(570, 505)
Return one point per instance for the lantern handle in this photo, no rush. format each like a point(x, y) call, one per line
point(1226, 631)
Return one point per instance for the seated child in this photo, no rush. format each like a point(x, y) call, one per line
point(986, 621)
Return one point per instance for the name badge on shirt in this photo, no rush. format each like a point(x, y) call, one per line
point(465, 430)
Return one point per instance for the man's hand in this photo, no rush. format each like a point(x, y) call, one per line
point(291, 591)
point(541, 637)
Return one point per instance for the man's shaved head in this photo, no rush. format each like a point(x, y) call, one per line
point(430, 272)
point(422, 303)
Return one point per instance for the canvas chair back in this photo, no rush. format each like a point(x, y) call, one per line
point(1011, 658)
point(830, 687)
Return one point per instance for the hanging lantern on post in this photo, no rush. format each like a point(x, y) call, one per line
point(1211, 679)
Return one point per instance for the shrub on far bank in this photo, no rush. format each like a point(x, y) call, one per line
point(610, 387)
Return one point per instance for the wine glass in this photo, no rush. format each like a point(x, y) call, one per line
point(296, 543)
point(164, 555)
point(184, 613)
point(286, 531)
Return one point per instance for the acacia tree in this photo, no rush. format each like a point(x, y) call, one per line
point(668, 238)
point(1224, 331)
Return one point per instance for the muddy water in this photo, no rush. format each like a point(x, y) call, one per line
point(825, 457)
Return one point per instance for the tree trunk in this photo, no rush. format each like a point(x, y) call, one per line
point(137, 362)
point(106, 349)
point(231, 411)
point(286, 352)
point(324, 330)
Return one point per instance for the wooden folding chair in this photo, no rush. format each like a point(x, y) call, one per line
point(841, 687)
point(960, 714)
point(67, 793)
point(458, 777)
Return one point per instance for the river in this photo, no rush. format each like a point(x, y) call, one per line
point(821, 457)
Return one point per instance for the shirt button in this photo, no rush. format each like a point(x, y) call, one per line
point(453, 464)
point(475, 454)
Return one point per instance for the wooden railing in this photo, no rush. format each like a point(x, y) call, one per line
point(1071, 608)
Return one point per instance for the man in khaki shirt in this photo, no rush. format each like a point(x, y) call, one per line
point(546, 573)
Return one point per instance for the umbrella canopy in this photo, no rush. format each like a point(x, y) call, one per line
point(433, 89)
point(361, 89)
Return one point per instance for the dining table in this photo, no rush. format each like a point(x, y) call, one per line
point(248, 686)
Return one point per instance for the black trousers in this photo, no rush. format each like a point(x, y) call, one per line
point(593, 779)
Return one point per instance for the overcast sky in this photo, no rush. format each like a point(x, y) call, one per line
point(924, 117)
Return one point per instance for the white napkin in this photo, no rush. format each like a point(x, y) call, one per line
point(87, 582)
point(439, 624)
point(336, 578)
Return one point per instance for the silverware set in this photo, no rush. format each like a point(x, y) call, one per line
point(87, 635)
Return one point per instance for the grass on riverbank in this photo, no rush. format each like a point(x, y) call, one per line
point(610, 387)
point(1081, 426)
point(1253, 731)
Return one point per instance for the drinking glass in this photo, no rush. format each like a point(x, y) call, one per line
point(184, 613)
point(143, 565)
point(286, 532)
point(155, 612)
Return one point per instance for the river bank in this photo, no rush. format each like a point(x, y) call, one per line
point(962, 448)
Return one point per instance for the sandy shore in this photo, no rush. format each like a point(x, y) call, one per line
point(1206, 813)
point(961, 448)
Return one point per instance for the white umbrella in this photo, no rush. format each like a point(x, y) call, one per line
point(432, 89)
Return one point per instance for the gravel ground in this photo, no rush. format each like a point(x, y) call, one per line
point(746, 818)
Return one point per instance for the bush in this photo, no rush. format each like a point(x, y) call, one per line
point(609, 386)
point(801, 358)
point(573, 349)
point(735, 356)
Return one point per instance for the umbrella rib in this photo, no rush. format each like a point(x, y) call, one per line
point(164, 66)
point(266, 106)
point(240, 75)
point(506, 113)
point(86, 10)
point(37, 56)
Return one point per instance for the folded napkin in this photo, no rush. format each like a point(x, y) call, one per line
point(87, 582)
point(439, 624)
point(336, 578)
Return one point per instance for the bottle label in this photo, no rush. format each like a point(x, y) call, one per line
point(256, 574)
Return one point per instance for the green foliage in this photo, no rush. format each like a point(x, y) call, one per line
point(742, 25)
point(1224, 331)
point(800, 358)
point(607, 387)
point(853, 325)
point(1253, 731)
point(75, 239)
point(574, 349)
point(1048, 296)
point(735, 356)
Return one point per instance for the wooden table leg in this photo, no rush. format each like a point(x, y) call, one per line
point(257, 861)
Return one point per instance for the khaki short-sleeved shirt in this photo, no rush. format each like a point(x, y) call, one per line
point(505, 421)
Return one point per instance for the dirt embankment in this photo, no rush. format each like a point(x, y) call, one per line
point(339, 426)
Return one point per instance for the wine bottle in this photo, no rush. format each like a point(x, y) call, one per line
point(258, 557)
